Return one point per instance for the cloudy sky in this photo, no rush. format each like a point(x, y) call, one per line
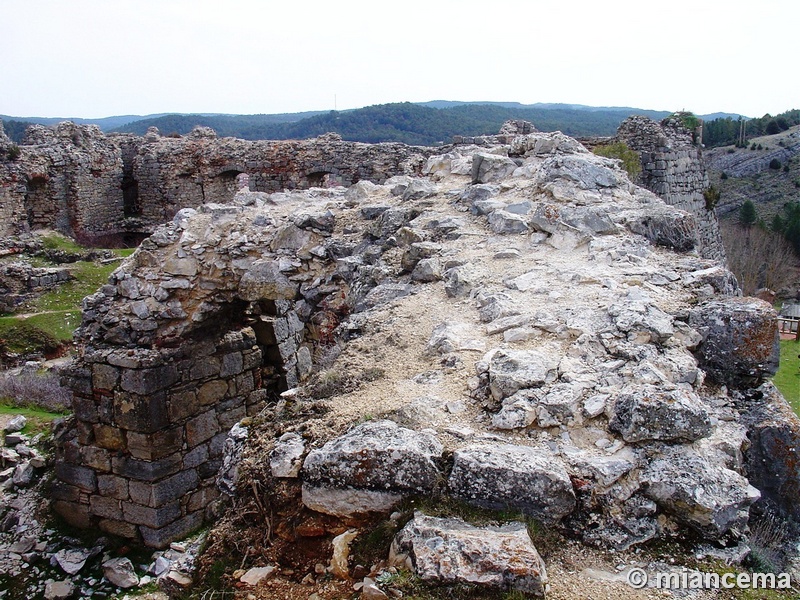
point(97, 58)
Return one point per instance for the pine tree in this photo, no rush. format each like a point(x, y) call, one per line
point(748, 216)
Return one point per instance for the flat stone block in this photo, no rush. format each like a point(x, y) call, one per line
point(143, 470)
point(80, 477)
point(161, 537)
point(73, 513)
point(112, 486)
point(119, 528)
point(109, 437)
point(151, 517)
point(145, 414)
point(201, 428)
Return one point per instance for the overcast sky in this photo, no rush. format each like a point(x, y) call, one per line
point(97, 58)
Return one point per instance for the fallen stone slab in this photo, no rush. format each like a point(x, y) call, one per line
point(710, 498)
point(369, 468)
point(72, 560)
point(17, 423)
point(452, 551)
point(513, 370)
point(508, 477)
point(651, 414)
point(256, 575)
point(120, 572)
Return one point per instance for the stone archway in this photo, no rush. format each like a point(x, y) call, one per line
point(222, 187)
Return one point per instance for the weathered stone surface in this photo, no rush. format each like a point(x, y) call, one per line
point(120, 572)
point(740, 344)
point(452, 336)
point(503, 476)
point(452, 551)
point(264, 280)
point(771, 459)
point(504, 222)
point(229, 470)
point(16, 423)
point(649, 413)
point(667, 227)
point(59, 590)
point(709, 498)
point(286, 459)
point(488, 168)
point(513, 370)
point(72, 560)
point(256, 575)
point(376, 455)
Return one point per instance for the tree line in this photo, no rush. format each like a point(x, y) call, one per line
point(726, 131)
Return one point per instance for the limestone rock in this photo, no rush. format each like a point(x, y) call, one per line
point(666, 227)
point(452, 551)
point(59, 590)
point(286, 459)
point(377, 460)
point(504, 476)
point(649, 413)
point(488, 168)
point(419, 189)
point(232, 449)
point(771, 462)
point(586, 171)
point(341, 552)
point(452, 336)
point(120, 572)
point(72, 560)
point(707, 497)
point(513, 370)
point(740, 344)
point(17, 423)
point(256, 575)
point(504, 222)
point(264, 280)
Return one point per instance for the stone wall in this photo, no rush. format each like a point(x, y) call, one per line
point(190, 336)
point(19, 282)
point(77, 180)
point(673, 168)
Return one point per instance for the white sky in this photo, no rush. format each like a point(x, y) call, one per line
point(97, 58)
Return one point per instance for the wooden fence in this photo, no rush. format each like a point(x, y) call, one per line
point(789, 325)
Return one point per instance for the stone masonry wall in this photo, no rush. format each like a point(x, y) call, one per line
point(189, 337)
point(672, 168)
point(77, 180)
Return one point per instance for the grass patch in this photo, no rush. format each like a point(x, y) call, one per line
point(56, 241)
point(89, 277)
point(787, 379)
point(38, 420)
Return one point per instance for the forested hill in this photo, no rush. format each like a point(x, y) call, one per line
point(401, 122)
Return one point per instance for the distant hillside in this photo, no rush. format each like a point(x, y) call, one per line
point(767, 172)
point(425, 123)
point(402, 122)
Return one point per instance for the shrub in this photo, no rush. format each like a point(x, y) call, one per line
point(35, 390)
point(753, 146)
point(14, 152)
point(711, 195)
point(724, 175)
point(760, 147)
point(775, 164)
point(620, 150)
point(785, 168)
